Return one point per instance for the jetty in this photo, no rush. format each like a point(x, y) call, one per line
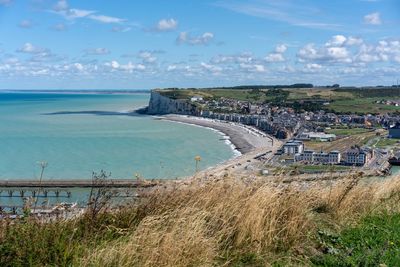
point(114, 183)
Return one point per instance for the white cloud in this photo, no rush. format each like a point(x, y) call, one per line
point(373, 19)
point(147, 57)
point(259, 68)
point(186, 38)
point(114, 64)
point(78, 66)
point(313, 67)
point(211, 68)
point(354, 41)
point(106, 19)
point(337, 40)
point(337, 53)
point(97, 51)
point(274, 57)
point(277, 55)
point(31, 49)
point(129, 67)
point(166, 25)
point(171, 67)
point(350, 50)
point(140, 67)
point(382, 52)
point(226, 59)
point(121, 29)
point(62, 8)
point(327, 53)
point(290, 12)
point(61, 5)
point(281, 48)
point(252, 67)
point(76, 13)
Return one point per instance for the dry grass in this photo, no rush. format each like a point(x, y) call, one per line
point(231, 222)
point(223, 222)
point(199, 226)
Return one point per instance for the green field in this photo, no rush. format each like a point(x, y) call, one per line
point(323, 168)
point(365, 105)
point(385, 142)
point(342, 100)
point(373, 242)
point(347, 131)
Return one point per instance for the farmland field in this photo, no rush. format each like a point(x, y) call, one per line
point(343, 100)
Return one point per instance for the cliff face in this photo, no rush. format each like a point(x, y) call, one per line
point(160, 104)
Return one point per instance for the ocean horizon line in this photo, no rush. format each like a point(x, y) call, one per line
point(77, 91)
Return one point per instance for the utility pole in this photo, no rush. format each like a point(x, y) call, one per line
point(43, 165)
point(197, 159)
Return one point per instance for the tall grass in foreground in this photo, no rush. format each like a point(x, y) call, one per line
point(225, 223)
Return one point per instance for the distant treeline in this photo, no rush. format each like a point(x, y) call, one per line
point(250, 87)
point(372, 91)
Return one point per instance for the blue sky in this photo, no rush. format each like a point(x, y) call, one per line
point(125, 44)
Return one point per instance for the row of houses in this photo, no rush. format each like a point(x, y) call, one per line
point(355, 156)
point(310, 156)
point(282, 126)
point(366, 120)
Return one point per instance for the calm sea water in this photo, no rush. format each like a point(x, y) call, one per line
point(80, 133)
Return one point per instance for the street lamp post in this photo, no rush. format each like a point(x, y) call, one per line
point(197, 159)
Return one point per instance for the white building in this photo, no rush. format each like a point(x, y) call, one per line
point(196, 98)
point(311, 156)
point(293, 147)
point(321, 137)
point(306, 156)
point(357, 156)
point(335, 157)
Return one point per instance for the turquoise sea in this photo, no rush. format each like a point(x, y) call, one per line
point(81, 133)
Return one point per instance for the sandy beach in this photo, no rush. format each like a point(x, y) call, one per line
point(244, 138)
point(250, 142)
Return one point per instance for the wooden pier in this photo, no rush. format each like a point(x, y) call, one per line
point(121, 183)
point(34, 192)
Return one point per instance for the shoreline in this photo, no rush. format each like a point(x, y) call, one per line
point(226, 138)
point(250, 142)
point(245, 139)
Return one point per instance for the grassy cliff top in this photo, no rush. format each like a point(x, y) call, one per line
point(341, 100)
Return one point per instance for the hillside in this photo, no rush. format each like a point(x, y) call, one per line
point(341, 100)
point(230, 222)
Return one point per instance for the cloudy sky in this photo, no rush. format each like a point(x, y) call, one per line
point(125, 44)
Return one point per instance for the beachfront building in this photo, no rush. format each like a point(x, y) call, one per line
point(312, 136)
point(357, 156)
point(335, 157)
point(293, 147)
point(394, 131)
point(306, 156)
point(310, 156)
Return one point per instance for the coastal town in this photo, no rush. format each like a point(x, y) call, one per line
point(272, 136)
point(312, 138)
point(208, 133)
